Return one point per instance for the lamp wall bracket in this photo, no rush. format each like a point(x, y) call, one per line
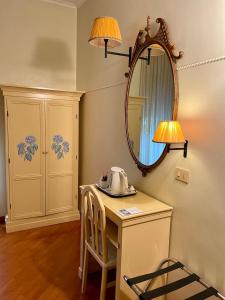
point(183, 148)
point(129, 55)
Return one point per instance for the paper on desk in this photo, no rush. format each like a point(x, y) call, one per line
point(130, 211)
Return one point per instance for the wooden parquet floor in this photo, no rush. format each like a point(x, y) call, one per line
point(42, 264)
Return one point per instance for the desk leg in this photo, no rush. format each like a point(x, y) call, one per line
point(141, 248)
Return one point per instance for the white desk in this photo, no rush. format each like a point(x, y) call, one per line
point(143, 239)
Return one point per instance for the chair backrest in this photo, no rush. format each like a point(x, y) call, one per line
point(95, 222)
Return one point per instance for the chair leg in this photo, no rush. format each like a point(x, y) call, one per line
point(104, 283)
point(85, 269)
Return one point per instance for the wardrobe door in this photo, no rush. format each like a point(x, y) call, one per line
point(61, 145)
point(26, 161)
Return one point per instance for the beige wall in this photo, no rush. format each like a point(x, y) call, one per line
point(38, 44)
point(197, 28)
point(38, 49)
point(136, 81)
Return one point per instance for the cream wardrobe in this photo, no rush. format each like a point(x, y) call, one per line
point(41, 137)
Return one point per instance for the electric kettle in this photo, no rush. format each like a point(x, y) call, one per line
point(117, 179)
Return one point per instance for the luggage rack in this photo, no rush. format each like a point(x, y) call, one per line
point(148, 294)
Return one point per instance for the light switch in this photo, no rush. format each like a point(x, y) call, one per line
point(182, 175)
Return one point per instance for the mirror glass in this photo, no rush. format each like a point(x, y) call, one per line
point(150, 101)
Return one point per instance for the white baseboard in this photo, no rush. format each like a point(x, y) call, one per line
point(18, 225)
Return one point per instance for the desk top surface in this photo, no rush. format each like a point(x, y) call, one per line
point(141, 201)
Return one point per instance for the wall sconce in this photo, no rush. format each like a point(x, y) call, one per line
point(170, 132)
point(106, 34)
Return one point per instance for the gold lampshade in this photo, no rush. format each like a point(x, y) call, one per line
point(169, 132)
point(105, 28)
point(157, 50)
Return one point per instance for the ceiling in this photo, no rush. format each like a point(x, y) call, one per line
point(77, 2)
point(72, 3)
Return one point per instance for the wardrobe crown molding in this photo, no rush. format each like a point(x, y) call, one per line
point(43, 93)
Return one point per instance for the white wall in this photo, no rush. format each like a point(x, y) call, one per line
point(38, 49)
point(198, 29)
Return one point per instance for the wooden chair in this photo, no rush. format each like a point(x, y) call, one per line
point(96, 242)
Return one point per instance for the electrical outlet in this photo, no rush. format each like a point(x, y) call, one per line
point(182, 175)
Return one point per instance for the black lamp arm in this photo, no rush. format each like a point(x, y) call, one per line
point(183, 148)
point(129, 55)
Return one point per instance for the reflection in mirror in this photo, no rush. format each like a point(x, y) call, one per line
point(150, 101)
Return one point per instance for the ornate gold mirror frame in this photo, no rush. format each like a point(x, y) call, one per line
point(144, 40)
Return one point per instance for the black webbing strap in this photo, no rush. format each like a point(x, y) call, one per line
point(173, 286)
point(204, 294)
point(138, 279)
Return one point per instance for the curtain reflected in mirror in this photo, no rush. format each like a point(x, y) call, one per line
point(150, 101)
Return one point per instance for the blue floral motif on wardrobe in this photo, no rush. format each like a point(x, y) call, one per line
point(28, 148)
point(59, 146)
